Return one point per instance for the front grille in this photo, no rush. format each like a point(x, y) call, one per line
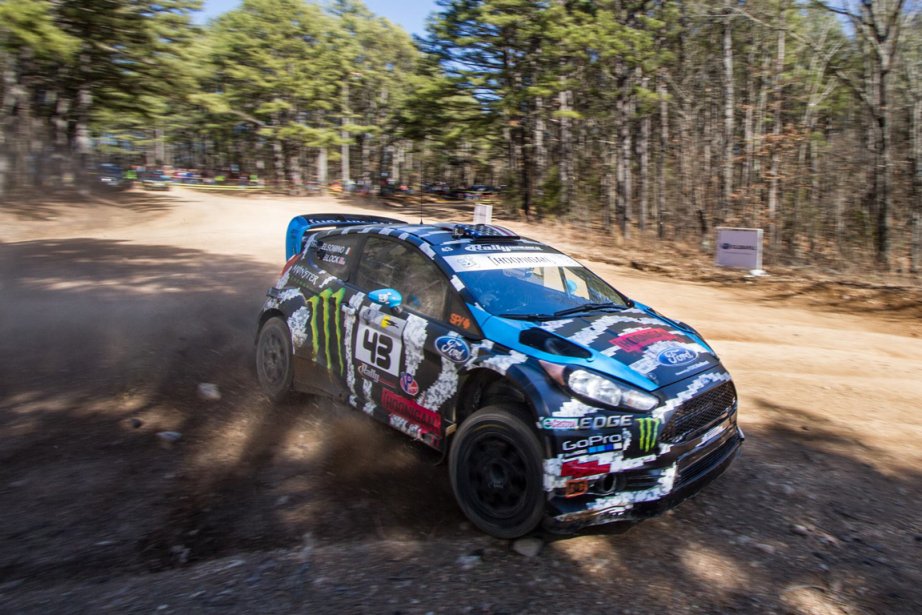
point(706, 463)
point(697, 414)
point(642, 480)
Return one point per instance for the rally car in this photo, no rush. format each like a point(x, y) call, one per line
point(556, 399)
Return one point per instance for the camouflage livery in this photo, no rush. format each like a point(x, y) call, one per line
point(425, 375)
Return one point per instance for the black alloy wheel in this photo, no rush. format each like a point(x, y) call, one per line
point(273, 359)
point(496, 472)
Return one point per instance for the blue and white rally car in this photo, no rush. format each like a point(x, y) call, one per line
point(557, 399)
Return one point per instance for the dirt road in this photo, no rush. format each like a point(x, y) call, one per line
point(112, 314)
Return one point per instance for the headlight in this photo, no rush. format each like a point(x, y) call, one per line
point(608, 391)
point(601, 389)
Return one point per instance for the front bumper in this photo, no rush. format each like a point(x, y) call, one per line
point(696, 464)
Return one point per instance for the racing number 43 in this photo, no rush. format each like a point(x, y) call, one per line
point(379, 347)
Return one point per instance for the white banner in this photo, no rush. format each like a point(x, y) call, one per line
point(508, 260)
point(739, 247)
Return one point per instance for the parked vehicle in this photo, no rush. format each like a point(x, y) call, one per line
point(155, 180)
point(110, 176)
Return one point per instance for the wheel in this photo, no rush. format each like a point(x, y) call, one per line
point(496, 472)
point(273, 359)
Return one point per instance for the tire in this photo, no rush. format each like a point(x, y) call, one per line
point(274, 367)
point(497, 473)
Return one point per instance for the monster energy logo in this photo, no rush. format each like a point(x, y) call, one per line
point(327, 302)
point(648, 429)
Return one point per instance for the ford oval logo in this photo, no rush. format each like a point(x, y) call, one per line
point(676, 356)
point(453, 348)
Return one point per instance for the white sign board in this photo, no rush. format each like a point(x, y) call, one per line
point(483, 214)
point(739, 247)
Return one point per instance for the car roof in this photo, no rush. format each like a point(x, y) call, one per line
point(446, 236)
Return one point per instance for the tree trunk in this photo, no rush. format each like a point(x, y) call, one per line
point(524, 167)
point(748, 120)
point(883, 170)
point(915, 250)
point(624, 177)
point(566, 151)
point(540, 149)
point(322, 167)
point(59, 165)
point(643, 149)
point(775, 171)
point(661, 212)
point(7, 122)
point(706, 174)
point(83, 144)
point(727, 191)
point(610, 183)
point(344, 151)
point(688, 189)
point(758, 142)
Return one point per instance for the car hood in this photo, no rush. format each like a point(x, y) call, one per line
point(636, 344)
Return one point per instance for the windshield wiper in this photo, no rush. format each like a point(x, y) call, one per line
point(588, 307)
point(528, 316)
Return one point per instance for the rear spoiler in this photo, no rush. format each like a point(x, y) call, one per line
point(301, 225)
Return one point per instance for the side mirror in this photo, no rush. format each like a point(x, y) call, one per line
point(571, 287)
point(386, 296)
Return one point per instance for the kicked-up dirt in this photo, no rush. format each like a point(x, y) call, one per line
point(127, 487)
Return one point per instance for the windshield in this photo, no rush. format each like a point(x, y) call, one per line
point(540, 292)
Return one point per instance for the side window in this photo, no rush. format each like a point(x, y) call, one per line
point(393, 264)
point(335, 254)
point(460, 317)
point(576, 285)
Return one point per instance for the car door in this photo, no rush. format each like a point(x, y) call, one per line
point(409, 359)
point(321, 329)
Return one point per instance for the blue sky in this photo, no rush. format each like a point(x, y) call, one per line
point(411, 14)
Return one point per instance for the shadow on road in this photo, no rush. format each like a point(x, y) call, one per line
point(105, 344)
point(47, 206)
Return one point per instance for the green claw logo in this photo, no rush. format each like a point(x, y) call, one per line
point(648, 429)
point(327, 302)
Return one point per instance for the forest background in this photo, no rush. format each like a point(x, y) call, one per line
point(652, 121)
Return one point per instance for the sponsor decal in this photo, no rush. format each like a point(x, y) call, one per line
point(692, 368)
point(636, 341)
point(714, 431)
point(509, 260)
point(576, 468)
point(392, 325)
point(676, 356)
point(375, 376)
point(323, 306)
point(549, 422)
point(411, 411)
point(736, 246)
point(332, 248)
point(587, 422)
point(648, 430)
point(490, 247)
point(378, 349)
point(409, 384)
point(300, 271)
point(334, 258)
point(453, 348)
point(457, 320)
point(598, 443)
